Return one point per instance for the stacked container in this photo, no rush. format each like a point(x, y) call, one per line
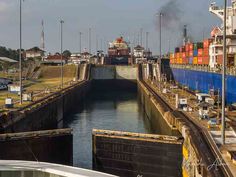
point(193, 53)
point(206, 45)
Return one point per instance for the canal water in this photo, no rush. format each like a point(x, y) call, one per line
point(117, 110)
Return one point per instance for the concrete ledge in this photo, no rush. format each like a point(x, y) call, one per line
point(38, 169)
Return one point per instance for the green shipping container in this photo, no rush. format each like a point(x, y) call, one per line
point(198, 45)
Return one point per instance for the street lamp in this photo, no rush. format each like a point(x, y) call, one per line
point(223, 75)
point(80, 43)
point(20, 59)
point(61, 21)
point(90, 40)
point(160, 16)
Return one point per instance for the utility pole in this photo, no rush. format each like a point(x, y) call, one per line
point(20, 53)
point(160, 15)
point(96, 43)
point(141, 36)
point(61, 21)
point(80, 42)
point(90, 40)
point(147, 33)
point(223, 75)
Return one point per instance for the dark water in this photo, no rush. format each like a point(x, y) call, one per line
point(111, 111)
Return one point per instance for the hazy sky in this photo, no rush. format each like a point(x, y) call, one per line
point(107, 18)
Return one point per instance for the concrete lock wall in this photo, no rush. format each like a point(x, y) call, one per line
point(114, 72)
point(44, 146)
point(48, 114)
point(132, 154)
point(156, 113)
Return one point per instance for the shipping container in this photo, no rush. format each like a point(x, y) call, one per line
point(206, 60)
point(198, 45)
point(172, 55)
point(206, 52)
point(185, 60)
point(177, 55)
point(190, 46)
point(200, 52)
point(187, 54)
point(190, 60)
point(183, 55)
point(177, 50)
point(200, 60)
point(195, 53)
point(195, 60)
point(190, 53)
point(207, 42)
point(186, 47)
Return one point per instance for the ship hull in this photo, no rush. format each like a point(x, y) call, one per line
point(203, 81)
point(121, 60)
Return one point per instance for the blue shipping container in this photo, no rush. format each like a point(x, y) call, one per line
point(190, 60)
point(203, 81)
point(195, 53)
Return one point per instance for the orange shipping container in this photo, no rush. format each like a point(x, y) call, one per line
point(190, 46)
point(207, 42)
point(187, 54)
point(200, 60)
point(191, 53)
point(185, 60)
point(177, 55)
point(180, 61)
point(195, 60)
point(200, 52)
point(172, 55)
point(186, 47)
point(206, 52)
point(183, 55)
point(206, 60)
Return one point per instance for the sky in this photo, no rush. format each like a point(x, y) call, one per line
point(108, 19)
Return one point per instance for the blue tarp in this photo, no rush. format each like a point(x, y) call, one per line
point(203, 81)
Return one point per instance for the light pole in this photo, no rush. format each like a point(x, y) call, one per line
point(223, 76)
point(61, 21)
point(147, 33)
point(90, 40)
point(141, 36)
point(80, 42)
point(160, 16)
point(20, 58)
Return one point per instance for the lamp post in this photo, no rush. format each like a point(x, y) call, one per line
point(147, 33)
point(61, 22)
point(160, 20)
point(80, 42)
point(20, 58)
point(223, 75)
point(90, 40)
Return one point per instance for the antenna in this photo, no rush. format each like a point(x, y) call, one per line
point(42, 45)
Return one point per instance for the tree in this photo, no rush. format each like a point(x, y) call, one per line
point(67, 53)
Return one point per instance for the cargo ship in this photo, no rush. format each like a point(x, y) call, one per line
point(118, 52)
point(199, 65)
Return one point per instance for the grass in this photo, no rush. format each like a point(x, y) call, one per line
point(49, 79)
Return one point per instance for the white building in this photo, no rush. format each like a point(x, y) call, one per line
point(34, 52)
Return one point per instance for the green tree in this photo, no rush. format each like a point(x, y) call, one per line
point(67, 53)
